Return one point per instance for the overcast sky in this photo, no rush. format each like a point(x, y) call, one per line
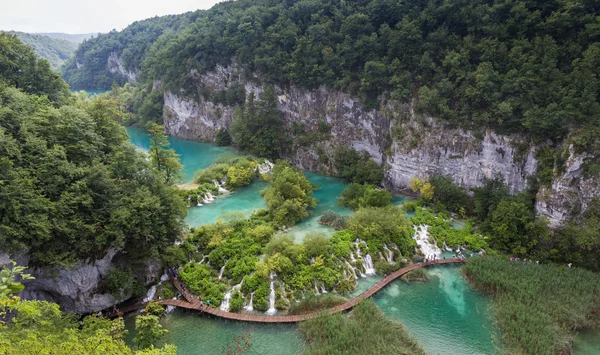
point(85, 16)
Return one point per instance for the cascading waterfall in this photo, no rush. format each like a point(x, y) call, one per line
point(189, 203)
point(265, 167)
point(150, 294)
point(381, 256)
point(222, 269)
point(352, 257)
point(250, 306)
point(352, 269)
point(357, 244)
point(316, 288)
point(225, 303)
point(169, 309)
point(422, 238)
point(323, 289)
point(220, 187)
point(272, 310)
point(199, 199)
point(389, 255)
point(368, 265)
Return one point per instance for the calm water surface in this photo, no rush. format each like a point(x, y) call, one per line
point(444, 314)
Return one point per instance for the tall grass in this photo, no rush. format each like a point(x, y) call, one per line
point(539, 308)
point(365, 331)
point(316, 303)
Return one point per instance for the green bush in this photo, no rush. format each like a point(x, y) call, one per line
point(236, 302)
point(351, 166)
point(313, 304)
point(333, 219)
point(223, 138)
point(356, 196)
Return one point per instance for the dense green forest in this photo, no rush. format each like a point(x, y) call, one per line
point(87, 69)
point(72, 185)
point(516, 66)
point(55, 50)
point(75, 38)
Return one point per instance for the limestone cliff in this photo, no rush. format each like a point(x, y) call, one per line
point(407, 144)
point(115, 66)
point(76, 288)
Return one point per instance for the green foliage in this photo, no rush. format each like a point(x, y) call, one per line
point(366, 331)
point(351, 166)
point(424, 187)
point(120, 283)
point(313, 304)
point(441, 230)
point(155, 308)
point(333, 219)
point(73, 186)
point(383, 225)
point(202, 280)
point(39, 327)
point(539, 308)
point(290, 195)
point(356, 196)
point(416, 275)
point(223, 138)
point(215, 171)
point(10, 280)
point(163, 159)
point(20, 68)
point(454, 197)
point(149, 330)
point(55, 50)
point(577, 242)
point(236, 302)
point(257, 126)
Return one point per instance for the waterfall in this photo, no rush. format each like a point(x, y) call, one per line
point(389, 255)
point(357, 244)
point(220, 187)
point(225, 303)
point(272, 310)
point(169, 309)
point(150, 294)
point(203, 257)
point(199, 199)
point(189, 202)
point(368, 265)
point(221, 271)
point(352, 269)
point(265, 167)
point(312, 260)
point(164, 277)
point(381, 256)
point(352, 257)
point(323, 290)
point(316, 287)
point(250, 306)
point(422, 238)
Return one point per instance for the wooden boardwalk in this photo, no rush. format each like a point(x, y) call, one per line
point(191, 302)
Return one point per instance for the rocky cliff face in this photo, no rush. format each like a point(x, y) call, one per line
point(408, 145)
point(115, 66)
point(76, 288)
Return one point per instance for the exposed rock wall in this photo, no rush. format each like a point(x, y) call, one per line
point(115, 66)
point(570, 193)
point(408, 145)
point(76, 288)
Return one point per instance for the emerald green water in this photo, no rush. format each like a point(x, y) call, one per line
point(444, 314)
point(193, 155)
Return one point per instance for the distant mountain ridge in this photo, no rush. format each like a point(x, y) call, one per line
point(55, 50)
point(75, 38)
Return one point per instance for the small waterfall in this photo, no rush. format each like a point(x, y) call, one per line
point(203, 257)
point(221, 271)
point(250, 306)
point(422, 238)
point(357, 244)
point(352, 269)
point(381, 256)
point(323, 290)
point(150, 294)
point(169, 309)
point(199, 199)
point(316, 288)
point(164, 277)
point(265, 167)
point(189, 203)
point(352, 257)
point(312, 260)
point(225, 303)
point(220, 187)
point(272, 310)
point(368, 265)
point(389, 255)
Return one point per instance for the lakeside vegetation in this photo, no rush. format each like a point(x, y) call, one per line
point(313, 304)
point(366, 330)
point(538, 308)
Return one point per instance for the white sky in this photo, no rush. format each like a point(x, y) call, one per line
point(85, 16)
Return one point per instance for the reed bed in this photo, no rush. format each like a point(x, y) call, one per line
point(539, 308)
point(365, 331)
point(316, 303)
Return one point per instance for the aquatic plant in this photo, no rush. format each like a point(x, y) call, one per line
point(538, 308)
point(365, 331)
point(316, 303)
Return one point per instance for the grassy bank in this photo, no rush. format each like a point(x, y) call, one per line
point(539, 308)
point(365, 330)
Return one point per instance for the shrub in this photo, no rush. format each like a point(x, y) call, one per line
point(333, 219)
point(356, 196)
point(223, 138)
point(236, 302)
point(316, 303)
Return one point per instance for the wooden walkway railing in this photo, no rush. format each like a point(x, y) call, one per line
point(191, 302)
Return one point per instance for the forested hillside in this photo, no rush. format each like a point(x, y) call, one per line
point(55, 50)
point(71, 186)
point(515, 66)
point(75, 38)
point(88, 68)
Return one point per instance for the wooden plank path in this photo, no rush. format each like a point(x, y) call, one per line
point(191, 302)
